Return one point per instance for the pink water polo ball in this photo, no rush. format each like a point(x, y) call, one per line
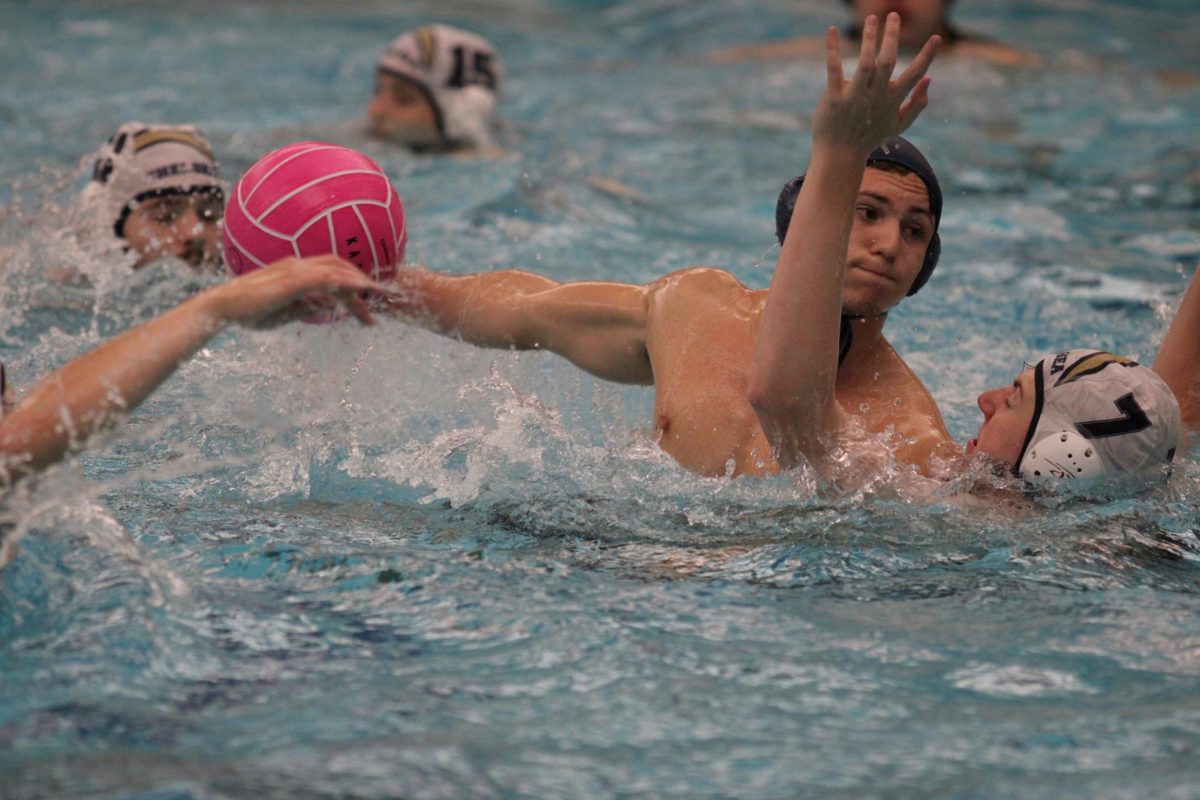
point(315, 198)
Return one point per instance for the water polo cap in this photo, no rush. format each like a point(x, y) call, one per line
point(896, 150)
point(1097, 414)
point(141, 162)
point(458, 71)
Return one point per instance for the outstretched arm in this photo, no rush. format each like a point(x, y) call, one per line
point(1178, 361)
point(792, 386)
point(599, 327)
point(72, 403)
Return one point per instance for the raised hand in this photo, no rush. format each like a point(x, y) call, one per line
point(862, 112)
point(792, 388)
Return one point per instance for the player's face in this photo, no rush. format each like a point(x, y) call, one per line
point(1007, 414)
point(401, 111)
point(919, 19)
point(185, 226)
point(893, 226)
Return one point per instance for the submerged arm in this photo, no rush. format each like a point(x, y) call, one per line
point(599, 327)
point(1178, 361)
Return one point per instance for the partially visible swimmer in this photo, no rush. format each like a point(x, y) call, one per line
point(100, 387)
point(158, 188)
point(437, 90)
point(921, 19)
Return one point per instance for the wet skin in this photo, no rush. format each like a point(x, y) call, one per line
point(892, 228)
point(1007, 413)
point(401, 111)
point(183, 226)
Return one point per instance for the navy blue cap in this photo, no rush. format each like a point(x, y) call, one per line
point(896, 150)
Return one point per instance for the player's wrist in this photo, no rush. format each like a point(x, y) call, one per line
point(839, 154)
point(213, 309)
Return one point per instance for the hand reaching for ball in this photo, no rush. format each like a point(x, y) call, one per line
point(292, 288)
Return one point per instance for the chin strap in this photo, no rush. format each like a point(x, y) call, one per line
point(845, 339)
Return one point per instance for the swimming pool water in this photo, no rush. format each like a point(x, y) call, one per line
point(332, 562)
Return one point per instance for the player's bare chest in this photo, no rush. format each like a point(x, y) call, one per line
point(704, 338)
point(880, 406)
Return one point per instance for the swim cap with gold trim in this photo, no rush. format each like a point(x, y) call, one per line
point(1097, 414)
point(460, 74)
point(143, 161)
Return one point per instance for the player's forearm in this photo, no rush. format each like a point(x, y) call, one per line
point(796, 354)
point(1178, 361)
point(480, 309)
point(72, 403)
point(805, 299)
point(599, 327)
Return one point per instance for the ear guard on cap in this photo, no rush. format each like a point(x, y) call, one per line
point(1063, 455)
point(932, 254)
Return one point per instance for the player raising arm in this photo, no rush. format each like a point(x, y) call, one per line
point(1074, 414)
point(792, 389)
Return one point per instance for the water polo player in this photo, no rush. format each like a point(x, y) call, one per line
point(69, 405)
point(159, 188)
point(922, 19)
point(436, 88)
point(692, 334)
point(1077, 414)
point(1080, 414)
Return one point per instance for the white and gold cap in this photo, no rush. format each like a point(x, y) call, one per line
point(459, 72)
point(1097, 414)
point(144, 161)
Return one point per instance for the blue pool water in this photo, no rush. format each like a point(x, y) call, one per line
point(332, 562)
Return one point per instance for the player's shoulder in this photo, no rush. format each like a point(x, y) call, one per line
point(686, 293)
point(697, 279)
